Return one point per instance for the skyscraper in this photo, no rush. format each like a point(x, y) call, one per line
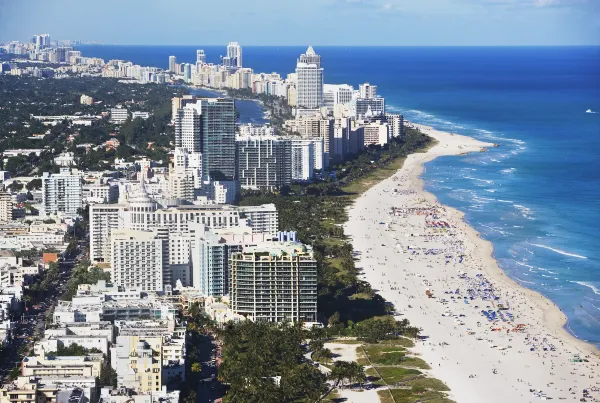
point(188, 128)
point(208, 126)
point(200, 56)
point(187, 73)
point(274, 282)
point(310, 80)
point(234, 55)
point(173, 64)
point(218, 139)
point(264, 162)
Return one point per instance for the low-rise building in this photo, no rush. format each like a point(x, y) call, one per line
point(124, 395)
point(86, 100)
point(63, 366)
point(119, 115)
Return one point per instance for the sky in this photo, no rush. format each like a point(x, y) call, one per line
point(298, 22)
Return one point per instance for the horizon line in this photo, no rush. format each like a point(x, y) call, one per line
point(349, 46)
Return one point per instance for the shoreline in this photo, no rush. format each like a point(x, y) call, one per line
point(550, 370)
point(556, 320)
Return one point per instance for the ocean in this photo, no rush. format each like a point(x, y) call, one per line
point(537, 196)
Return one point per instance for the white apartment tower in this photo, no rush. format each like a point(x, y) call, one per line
point(200, 57)
point(303, 158)
point(209, 261)
point(172, 64)
point(310, 80)
point(104, 218)
point(6, 207)
point(188, 128)
point(367, 90)
point(62, 193)
point(137, 260)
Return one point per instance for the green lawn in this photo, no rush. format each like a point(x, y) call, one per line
point(414, 362)
point(385, 396)
point(392, 355)
point(360, 186)
point(400, 341)
point(393, 375)
point(428, 383)
point(407, 396)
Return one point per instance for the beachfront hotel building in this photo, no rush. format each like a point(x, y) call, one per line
point(369, 107)
point(310, 80)
point(367, 90)
point(275, 282)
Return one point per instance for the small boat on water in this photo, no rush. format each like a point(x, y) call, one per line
point(589, 111)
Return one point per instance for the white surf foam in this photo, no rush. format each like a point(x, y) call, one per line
point(562, 252)
point(588, 285)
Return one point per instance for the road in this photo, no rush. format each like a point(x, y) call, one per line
point(31, 325)
point(209, 389)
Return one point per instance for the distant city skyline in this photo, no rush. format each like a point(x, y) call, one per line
point(317, 22)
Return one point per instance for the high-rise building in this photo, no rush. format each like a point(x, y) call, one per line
point(218, 139)
point(264, 162)
point(367, 90)
point(137, 260)
point(140, 212)
point(6, 207)
point(369, 107)
point(303, 158)
point(274, 282)
point(62, 193)
point(262, 219)
point(234, 55)
point(396, 123)
point(376, 133)
point(104, 218)
point(61, 54)
point(180, 102)
point(187, 73)
point(200, 56)
point(188, 128)
point(173, 64)
point(336, 95)
point(210, 262)
point(310, 80)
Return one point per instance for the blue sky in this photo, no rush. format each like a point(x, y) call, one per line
point(319, 22)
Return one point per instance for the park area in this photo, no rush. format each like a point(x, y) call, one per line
point(400, 375)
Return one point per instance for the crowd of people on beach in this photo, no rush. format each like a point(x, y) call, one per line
point(429, 267)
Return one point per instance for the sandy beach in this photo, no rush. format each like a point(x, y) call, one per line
point(489, 339)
